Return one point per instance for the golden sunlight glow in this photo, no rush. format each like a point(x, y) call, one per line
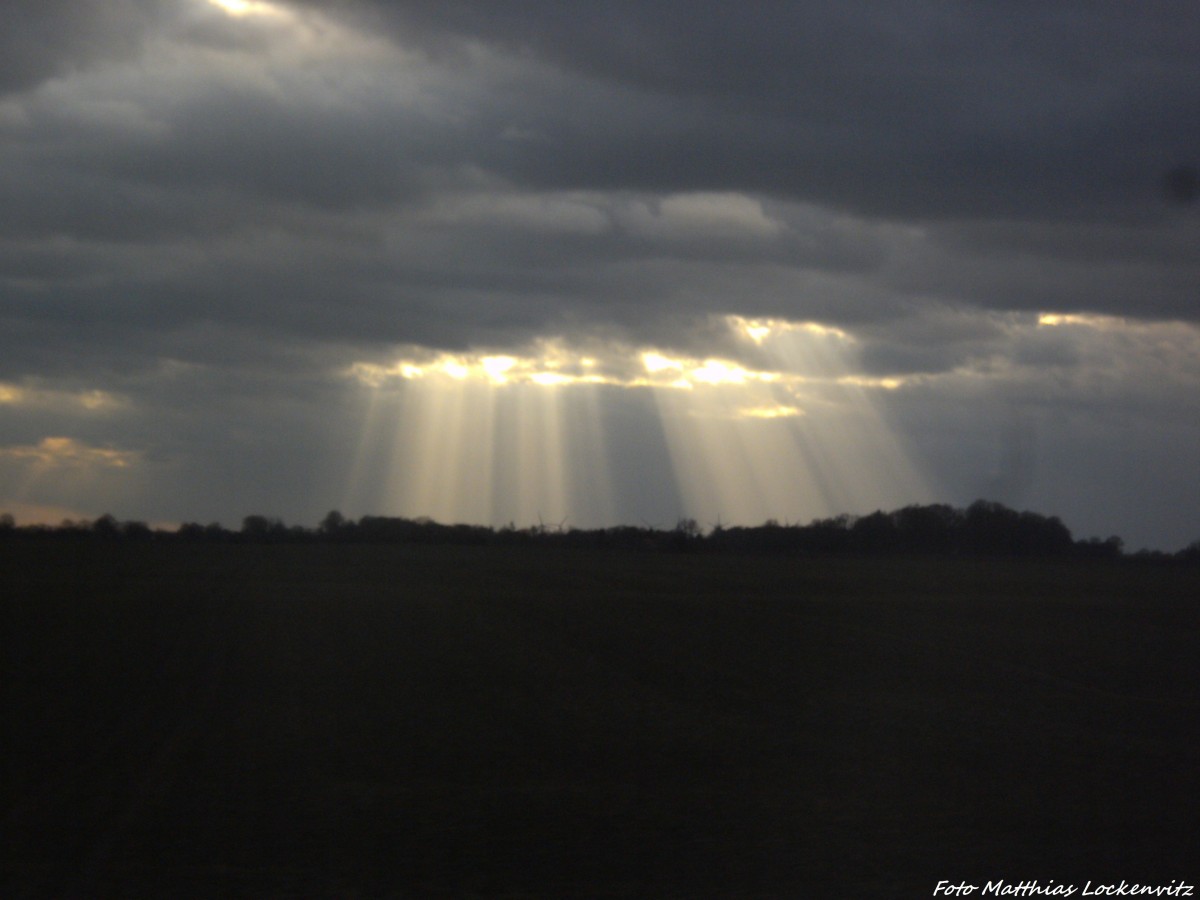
point(63, 452)
point(791, 432)
point(550, 379)
point(549, 365)
point(655, 362)
point(759, 331)
point(496, 366)
point(240, 8)
point(456, 369)
point(488, 447)
point(798, 438)
point(888, 384)
point(770, 412)
point(298, 35)
point(755, 330)
point(1057, 319)
point(544, 366)
point(717, 371)
point(95, 401)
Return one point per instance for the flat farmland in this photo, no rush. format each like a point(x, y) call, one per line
point(234, 720)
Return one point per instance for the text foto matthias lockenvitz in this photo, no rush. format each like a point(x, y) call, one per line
point(1052, 888)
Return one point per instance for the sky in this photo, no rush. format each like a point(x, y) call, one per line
point(586, 264)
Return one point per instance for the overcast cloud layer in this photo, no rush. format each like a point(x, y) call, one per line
point(213, 211)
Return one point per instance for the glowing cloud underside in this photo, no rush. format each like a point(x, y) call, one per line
point(240, 8)
point(96, 401)
point(788, 431)
point(67, 453)
point(58, 471)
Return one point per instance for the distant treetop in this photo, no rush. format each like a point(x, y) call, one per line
point(985, 528)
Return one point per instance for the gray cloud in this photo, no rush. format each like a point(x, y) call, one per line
point(999, 109)
point(212, 217)
point(40, 39)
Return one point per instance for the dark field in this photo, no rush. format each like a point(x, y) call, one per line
point(351, 721)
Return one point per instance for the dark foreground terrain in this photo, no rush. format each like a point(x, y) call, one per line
point(356, 721)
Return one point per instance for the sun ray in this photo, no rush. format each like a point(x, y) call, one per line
point(539, 464)
point(589, 479)
point(495, 437)
point(442, 467)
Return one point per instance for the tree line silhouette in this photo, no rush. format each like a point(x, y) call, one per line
point(985, 528)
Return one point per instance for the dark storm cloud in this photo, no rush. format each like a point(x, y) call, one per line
point(904, 109)
point(40, 39)
point(209, 157)
point(313, 197)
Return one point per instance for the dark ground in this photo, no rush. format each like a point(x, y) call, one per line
point(350, 721)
